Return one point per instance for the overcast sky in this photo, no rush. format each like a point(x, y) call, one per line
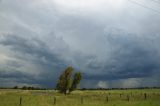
point(114, 43)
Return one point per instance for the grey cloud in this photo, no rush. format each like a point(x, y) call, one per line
point(130, 57)
point(33, 47)
point(21, 79)
point(33, 52)
point(41, 39)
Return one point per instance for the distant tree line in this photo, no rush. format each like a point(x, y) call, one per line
point(38, 88)
point(119, 88)
point(29, 88)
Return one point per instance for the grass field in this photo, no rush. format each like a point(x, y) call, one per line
point(147, 97)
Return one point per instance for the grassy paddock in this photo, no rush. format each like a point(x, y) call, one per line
point(145, 97)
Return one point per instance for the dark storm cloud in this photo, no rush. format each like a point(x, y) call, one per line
point(33, 47)
point(25, 78)
point(132, 58)
point(14, 74)
point(19, 77)
point(34, 52)
point(108, 42)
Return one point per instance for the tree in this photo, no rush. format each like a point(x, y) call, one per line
point(76, 80)
point(15, 87)
point(66, 83)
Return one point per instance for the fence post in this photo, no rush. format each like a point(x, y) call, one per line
point(20, 101)
point(107, 98)
point(128, 98)
point(81, 100)
point(54, 101)
point(145, 96)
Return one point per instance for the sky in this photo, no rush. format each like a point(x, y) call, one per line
point(114, 43)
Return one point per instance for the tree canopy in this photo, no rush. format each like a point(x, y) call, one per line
point(67, 83)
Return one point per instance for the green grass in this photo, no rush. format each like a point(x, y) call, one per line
point(80, 98)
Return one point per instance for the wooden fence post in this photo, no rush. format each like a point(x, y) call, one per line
point(20, 101)
point(107, 98)
point(81, 100)
point(145, 96)
point(54, 101)
point(128, 98)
